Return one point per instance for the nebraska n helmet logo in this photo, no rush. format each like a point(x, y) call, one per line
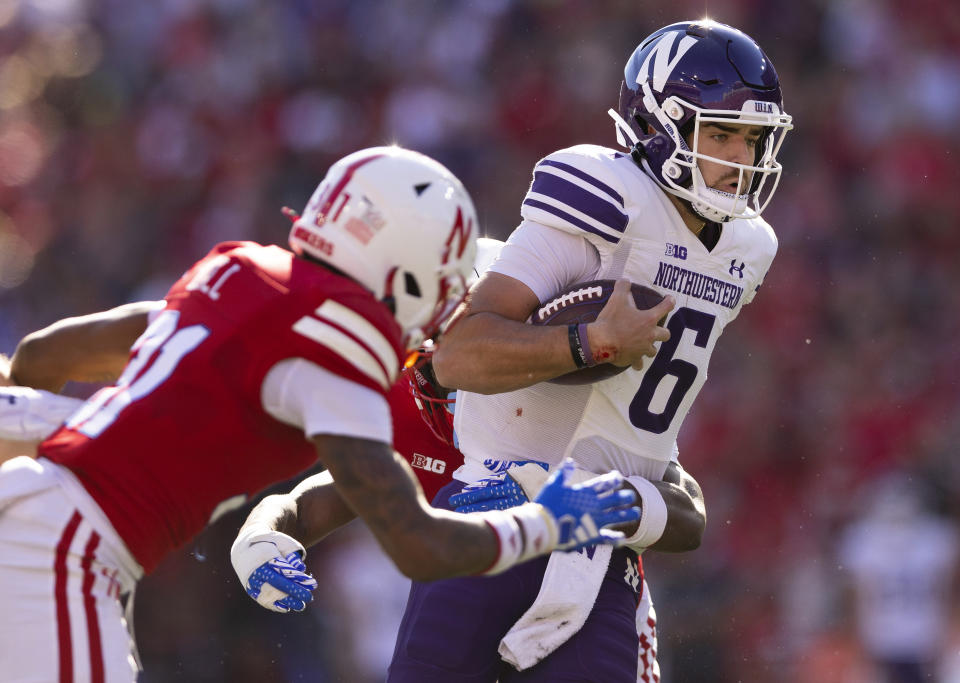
point(662, 64)
point(461, 232)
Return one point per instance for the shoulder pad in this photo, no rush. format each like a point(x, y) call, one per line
point(579, 190)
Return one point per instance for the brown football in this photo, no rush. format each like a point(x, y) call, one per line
point(582, 303)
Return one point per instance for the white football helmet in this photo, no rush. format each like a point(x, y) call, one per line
point(400, 224)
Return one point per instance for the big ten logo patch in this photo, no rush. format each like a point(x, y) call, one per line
point(422, 462)
point(676, 251)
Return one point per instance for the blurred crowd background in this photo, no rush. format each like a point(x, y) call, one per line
point(134, 135)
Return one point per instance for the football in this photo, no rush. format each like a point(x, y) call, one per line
point(582, 303)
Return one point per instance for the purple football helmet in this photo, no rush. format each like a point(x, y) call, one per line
point(697, 72)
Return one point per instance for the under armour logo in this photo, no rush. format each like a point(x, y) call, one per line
point(735, 268)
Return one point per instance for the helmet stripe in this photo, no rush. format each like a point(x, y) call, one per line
point(338, 188)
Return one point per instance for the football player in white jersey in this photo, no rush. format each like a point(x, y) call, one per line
point(701, 115)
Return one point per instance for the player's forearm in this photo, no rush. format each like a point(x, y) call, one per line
point(311, 511)
point(424, 543)
point(487, 354)
point(277, 512)
point(437, 544)
point(673, 515)
point(318, 510)
point(686, 520)
point(91, 348)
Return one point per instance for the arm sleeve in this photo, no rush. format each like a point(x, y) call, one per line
point(303, 394)
point(546, 259)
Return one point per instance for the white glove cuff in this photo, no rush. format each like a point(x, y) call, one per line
point(257, 544)
point(653, 519)
point(523, 532)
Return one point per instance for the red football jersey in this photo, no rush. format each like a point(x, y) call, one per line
point(433, 461)
point(183, 434)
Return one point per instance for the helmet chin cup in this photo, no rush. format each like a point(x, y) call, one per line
point(708, 213)
point(720, 207)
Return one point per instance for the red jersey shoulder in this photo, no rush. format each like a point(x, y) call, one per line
point(289, 307)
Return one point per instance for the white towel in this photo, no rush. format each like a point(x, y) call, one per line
point(569, 590)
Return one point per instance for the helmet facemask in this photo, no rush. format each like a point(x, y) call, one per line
point(435, 403)
point(680, 172)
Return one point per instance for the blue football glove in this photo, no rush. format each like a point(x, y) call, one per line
point(582, 510)
point(270, 567)
point(288, 575)
point(513, 487)
point(497, 496)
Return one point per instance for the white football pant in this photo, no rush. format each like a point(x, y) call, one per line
point(63, 570)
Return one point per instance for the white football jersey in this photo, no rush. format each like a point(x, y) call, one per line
point(628, 422)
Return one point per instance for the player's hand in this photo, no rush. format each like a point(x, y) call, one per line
point(580, 511)
point(270, 567)
point(30, 414)
point(624, 335)
point(518, 485)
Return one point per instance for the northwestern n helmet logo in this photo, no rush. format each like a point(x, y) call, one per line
point(662, 64)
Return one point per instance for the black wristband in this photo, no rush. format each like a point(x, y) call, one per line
point(576, 346)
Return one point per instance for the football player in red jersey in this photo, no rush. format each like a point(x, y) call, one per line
point(254, 349)
point(422, 413)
